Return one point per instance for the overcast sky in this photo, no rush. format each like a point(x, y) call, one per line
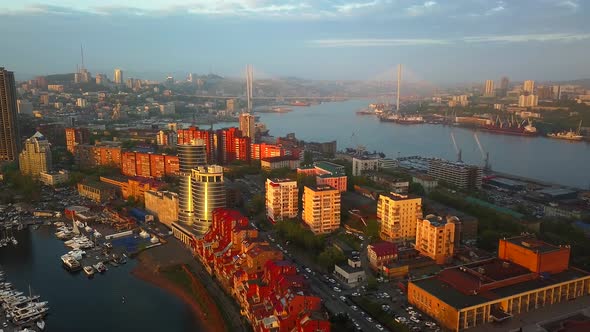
point(436, 40)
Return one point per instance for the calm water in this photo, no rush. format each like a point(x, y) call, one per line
point(534, 157)
point(81, 304)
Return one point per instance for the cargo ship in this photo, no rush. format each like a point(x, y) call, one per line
point(299, 103)
point(524, 128)
point(568, 135)
point(402, 119)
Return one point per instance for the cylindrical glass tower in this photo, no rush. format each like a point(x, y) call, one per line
point(208, 192)
point(190, 156)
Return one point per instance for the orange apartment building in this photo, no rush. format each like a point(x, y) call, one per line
point(76, 136)
point(327, 173)
point(149, 164)
point(528, 274)
point(436, 237)
point(98, 155)
point(133, 187)
point(321, 209)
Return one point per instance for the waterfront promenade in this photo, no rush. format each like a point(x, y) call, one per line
point(174, 253)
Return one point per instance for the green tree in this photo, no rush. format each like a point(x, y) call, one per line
point(417, 189)
point(256, 204)
point(307, 158)
point(372, 229)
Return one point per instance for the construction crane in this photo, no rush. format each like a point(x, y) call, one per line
point(484, 155)
point(457, 150)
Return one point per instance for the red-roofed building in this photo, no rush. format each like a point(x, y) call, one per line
point(271, 295)
point(380, 254)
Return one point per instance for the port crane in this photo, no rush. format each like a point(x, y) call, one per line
point(457, 150)
point(485, 155)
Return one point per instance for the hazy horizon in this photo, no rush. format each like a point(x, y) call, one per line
point(440, 41)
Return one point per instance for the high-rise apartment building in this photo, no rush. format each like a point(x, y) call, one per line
point(118, 76)
point(504, 82)
point(9, 133)
point(528, 100)
point(247, 124)
point(544, 92)
point(437, 237)
point(208, 194)
point(489, 89)
point(460, 175)
point(528, 87)
point(191, 155)
point(75, 136)
point(282, 199)
point(24, 107)
point(321, 209)
point(36, 156)
point(398, 215)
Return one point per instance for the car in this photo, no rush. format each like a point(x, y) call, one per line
point(332, 281)
point(308, 270)
point(412, 312)
point(409, 308)
point(336, 289)
point(353, 307)
point(306, 276)
point(385, 307)
point(379, 327)
point(355, 294)
point(414, 319)
point(369, 319)
point(343, 298)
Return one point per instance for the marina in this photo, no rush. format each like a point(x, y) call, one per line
point(20, 312)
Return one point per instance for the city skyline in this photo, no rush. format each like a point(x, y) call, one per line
point(437, 41)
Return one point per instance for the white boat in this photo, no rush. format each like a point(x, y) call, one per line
point(154, 239)
point(40, 324)
point(144, 234)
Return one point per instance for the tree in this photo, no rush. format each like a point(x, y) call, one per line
point(256, 204)
point(417, 189)
point(371, 283)
point(307, 158)
point(372, 229)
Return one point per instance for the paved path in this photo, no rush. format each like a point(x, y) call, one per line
point(173, 253)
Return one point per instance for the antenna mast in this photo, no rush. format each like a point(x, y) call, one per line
point(249, 86)
point(399, 82)
point(82, 55)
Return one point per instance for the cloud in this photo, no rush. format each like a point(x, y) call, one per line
point(551, 37)
point(371, 42)
point(569, 4)
point(500, 6)
point(388, 42)
point(418, 10)
point(349, 7)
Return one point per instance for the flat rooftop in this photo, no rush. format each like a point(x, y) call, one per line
point(329, 167)
point(467, 285)
point(533, 244)
point(399, 197)
point(508, 182)
point(557, 191)
point(321, 188)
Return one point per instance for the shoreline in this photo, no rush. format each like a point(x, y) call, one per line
point(154, 277)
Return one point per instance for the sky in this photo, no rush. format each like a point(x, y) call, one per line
point(441, 41)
